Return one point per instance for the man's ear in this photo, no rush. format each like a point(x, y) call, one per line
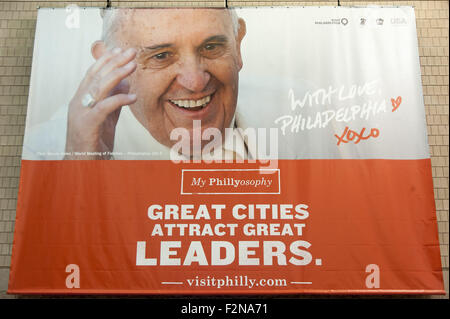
point(241, 33)
point(98, 48)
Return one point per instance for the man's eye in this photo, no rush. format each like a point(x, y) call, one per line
point(162, 55)
point(210, 47)
point(213, 50)
point(159, 60)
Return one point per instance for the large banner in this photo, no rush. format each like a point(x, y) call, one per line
point(215, 151)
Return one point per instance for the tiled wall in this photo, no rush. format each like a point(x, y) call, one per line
point(17, 27)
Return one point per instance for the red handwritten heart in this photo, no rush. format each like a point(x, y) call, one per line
point(396, 103)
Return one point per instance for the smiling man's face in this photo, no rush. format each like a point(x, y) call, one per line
point(188, 65)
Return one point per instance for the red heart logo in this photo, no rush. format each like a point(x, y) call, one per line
point(396, 103)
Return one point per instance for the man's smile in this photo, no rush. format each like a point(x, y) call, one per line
point(200, 107)
point(192, 104)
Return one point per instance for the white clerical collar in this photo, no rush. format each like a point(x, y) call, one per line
point(233, 148)
point(134, 142)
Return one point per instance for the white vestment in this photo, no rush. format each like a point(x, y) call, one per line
point(47, 141)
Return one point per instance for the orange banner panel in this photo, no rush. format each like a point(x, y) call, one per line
point(132, 227)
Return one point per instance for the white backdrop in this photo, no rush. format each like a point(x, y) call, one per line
point(61, 55)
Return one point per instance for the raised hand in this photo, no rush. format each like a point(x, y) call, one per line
point(95, 108)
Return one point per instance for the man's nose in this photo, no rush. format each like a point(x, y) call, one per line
point(192, 75)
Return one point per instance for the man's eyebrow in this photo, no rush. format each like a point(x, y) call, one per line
point(216, 38)
point(159, 46)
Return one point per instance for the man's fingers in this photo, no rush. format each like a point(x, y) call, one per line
point(117, 61)
point(102, 109)
point(104, 59)
point(101, 89)
point(122, 88)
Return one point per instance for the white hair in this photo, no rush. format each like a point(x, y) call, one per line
point(111, 22)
